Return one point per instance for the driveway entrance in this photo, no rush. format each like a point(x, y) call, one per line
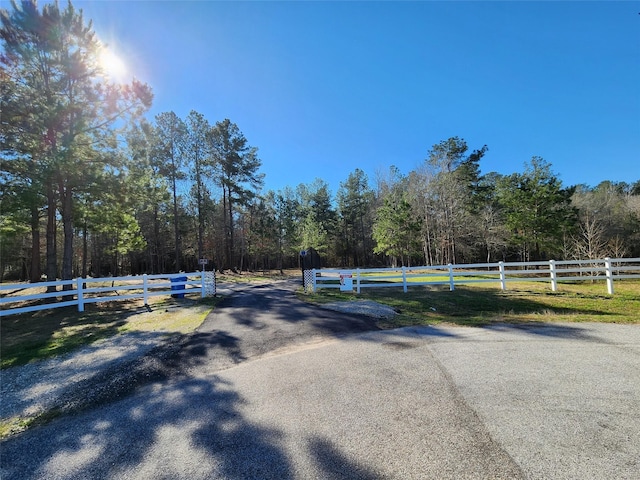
point(259, 398)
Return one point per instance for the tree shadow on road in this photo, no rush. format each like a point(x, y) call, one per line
point(336, 465)
point(189, 429)
point(153, 431)
point(195, 348)
point(549, 330)
point(256, 306)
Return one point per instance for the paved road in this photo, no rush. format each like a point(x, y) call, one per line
point(258, 400)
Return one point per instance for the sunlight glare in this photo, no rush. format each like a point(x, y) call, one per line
point(113, 66)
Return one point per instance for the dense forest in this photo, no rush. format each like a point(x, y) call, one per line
point(90, 186)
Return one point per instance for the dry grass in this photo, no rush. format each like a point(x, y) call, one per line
point(258, 276)
point(36, 335)
point(522, 302)
point(45, 333)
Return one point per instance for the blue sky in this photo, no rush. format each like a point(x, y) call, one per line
point(323, 88)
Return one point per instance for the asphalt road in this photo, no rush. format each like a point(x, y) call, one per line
point(273, 388)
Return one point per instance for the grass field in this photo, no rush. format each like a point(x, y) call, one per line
point(481, 305)
point(46, 333)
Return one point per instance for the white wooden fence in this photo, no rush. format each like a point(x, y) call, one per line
point(607, 270)
point(105, 289)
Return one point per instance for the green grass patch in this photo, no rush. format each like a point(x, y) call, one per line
point(46, 333)
point(11, 426)
point(482, 305)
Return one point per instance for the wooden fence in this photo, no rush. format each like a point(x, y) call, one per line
point(103, 290)
point(554, 272)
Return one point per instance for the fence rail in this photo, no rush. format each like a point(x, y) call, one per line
point(81, 292)
point(552, 271)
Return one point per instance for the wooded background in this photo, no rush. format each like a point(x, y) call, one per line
point(90, 186)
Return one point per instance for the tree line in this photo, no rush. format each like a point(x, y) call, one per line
point(84, 169)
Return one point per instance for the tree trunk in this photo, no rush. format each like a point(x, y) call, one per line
point(365, 253)
point(280, 253)
point(231, 236)
point(155, 265)
point(52, 254)
point(199, 204)
point(35, 271)
point(200, 228)
point(225, 239)
point(116, 268)
point(85, 250)
point(66, 195)
point(175, 221)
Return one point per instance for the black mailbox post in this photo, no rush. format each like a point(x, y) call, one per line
point(309, 259)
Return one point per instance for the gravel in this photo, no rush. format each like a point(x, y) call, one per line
point(362, 307)
point(32, 389)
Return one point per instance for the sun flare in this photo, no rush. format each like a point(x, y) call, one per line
point(113, 66)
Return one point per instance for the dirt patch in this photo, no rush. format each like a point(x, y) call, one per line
point(362, 307)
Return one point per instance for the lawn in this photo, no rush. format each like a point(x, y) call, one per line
point(46, 333)
point(481, 305)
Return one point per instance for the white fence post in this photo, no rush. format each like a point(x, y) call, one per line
point(554, 279)
point(76, 296)
point(80, 282)
point(404, 279)
point(609, 273)
point(625, 268)
point(145, 290)
point(202, 282)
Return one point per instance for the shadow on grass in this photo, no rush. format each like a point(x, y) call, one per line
point(473, 306)
point(47, 333)
point(27, 390)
